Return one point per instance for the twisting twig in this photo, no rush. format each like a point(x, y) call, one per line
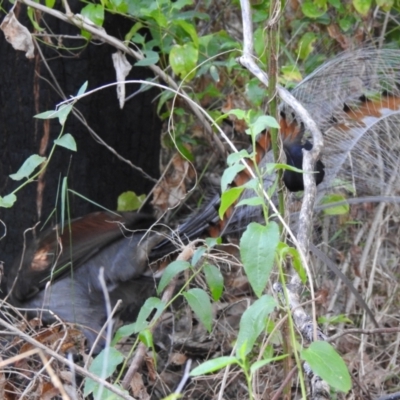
point(85, 373)
point(307, 326)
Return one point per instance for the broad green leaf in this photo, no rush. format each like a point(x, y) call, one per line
point(179, 4)
point(94, 12)
point(335, 209)
point(257, 249)
point(159, 17)
point(198, 254)
point(327, 364)
point(260, 40)
point(362, 6)
point(335, 319)
point(252, 201)
point(151, 58)
point(346, 23)
point(239, 114)
point(262, 123)
point(252, 323)
point(66, 141)
point(234, 158)
point(212, 242)
point(213, 365)
point(189, 29)
point(284, 250)
point(32, 17)
point(120, 6)
point(82, 89)
point(386, 5)
point(259, 364)
point(183, 60)
point(306, 45)
point(8, 200)
point(229, 175)
point(124, 331)
point(27, 168)
point(170, 272)
point(50, 3)
point(47, 114)
point(215, 281)
point(103, 366)
point(228, 198)
point(63, 112)
point(214, 73)
point(146, 337)
point(129, 201)
point(312, 10)
point(151, 304)
point(200, 303)
point(291, 73)
point(255, 92)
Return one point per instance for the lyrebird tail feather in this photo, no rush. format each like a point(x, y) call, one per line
point(355, 100)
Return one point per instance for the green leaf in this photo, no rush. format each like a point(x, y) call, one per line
point(103, 366)
point(253, 322)
point(239, 114)
point(120, 6)
point(94, 12)
point(200, 303)
point(284, 250)
point(82, 89)
point(259, 364)
point(252, 201)
point(189, 29)
point(255, 93)
point(151, 58)
point(212, 242)
point(146, 337)
point(234, 158)
point(198, 254)
point(66, 141)
point(213, 365)
point(386, 5)
point(173, 269)
point(50, 3)
point(63, 112)
point(306, 45)
point(257, 249)
point(327, 364)
point(32, 17)
point(312, 10)
point(124, 331)
point(130, 201)
point(262, 123)
point(27, 168)
point(214, 73)
point(215, 281)
point(362, 6)
point(183, 60)
point(335, 209)
point(335, 319)
point(229, 175)
point(8, 201)
point(147, 309)
point(228, 198)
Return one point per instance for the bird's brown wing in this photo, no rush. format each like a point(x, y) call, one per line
point(54, 253)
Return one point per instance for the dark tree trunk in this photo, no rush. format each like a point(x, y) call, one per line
point(26, 89)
